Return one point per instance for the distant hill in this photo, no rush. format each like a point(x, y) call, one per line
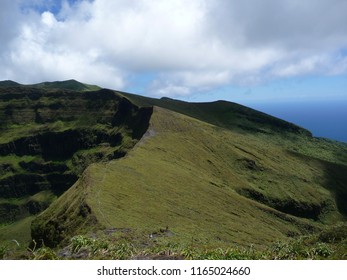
point(224, 114)
point(68, 84)
point(206, 175)
point(8, 83)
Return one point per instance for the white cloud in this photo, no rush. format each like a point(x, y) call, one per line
point(302, 67)
point(191, 45)
point(168, 89)
point(184, 83)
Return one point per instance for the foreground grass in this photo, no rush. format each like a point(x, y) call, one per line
point(123, 244)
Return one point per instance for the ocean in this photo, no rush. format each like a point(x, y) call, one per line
point(323, 118)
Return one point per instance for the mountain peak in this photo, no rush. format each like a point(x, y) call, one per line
point(67, 84)
point(8, 83)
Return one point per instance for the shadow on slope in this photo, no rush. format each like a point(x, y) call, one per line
point(50, 134)
point(187, 174)
point(334, 178)
point(336, 181)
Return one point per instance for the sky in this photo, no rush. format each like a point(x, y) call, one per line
point(197, 50)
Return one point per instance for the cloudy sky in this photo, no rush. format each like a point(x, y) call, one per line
point(192, 50)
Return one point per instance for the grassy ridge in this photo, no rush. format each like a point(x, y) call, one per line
point(224, 114)
point(207, 184)
point(204, 180)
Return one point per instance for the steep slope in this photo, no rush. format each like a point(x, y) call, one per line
point(214, 173)
point(206, 183)
point(50, 134)
point(224, 114)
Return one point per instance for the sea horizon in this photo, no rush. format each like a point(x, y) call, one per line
point(324, 118)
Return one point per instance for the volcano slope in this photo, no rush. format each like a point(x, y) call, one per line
point(215, 174)
point(50, 133)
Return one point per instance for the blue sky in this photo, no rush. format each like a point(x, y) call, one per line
point(197, 50)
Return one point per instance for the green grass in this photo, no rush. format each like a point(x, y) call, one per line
point(229, 182)
point(19, 231)
point(31, 116)
point(224, 114)
point(68, 84)
point(120, 244)
point(190, 176)
point(43, 196)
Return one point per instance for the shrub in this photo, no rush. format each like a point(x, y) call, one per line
point(3, 251)
point(44, 253)
point(78, 242)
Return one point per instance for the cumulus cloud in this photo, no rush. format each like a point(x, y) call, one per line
point(194, 45)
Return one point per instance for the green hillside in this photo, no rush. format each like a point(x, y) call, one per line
point(223, 114)
point(49, 135)
point(68, 84)
point(197, 176)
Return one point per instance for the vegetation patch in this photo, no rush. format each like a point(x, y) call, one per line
point(51, 132)
point(121, 244)
point(129, 177)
